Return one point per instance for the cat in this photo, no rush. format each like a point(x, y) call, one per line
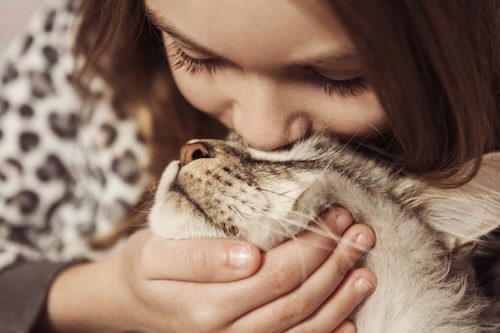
point(225, 189)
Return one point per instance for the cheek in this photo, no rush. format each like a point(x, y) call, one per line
point(201, 92)
point(358, 115)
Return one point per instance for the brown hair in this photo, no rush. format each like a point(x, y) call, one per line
point(119, 45)
point(435, 68)
point(433, 64)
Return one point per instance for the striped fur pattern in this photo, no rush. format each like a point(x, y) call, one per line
point(268, 197)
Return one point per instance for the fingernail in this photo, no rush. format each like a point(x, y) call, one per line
point(362, 242)
point(342, 223)
point(239, 256)
point(362, 285)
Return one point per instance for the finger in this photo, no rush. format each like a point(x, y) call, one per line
point(280, 271)
point(290, 309)
point(332, 313)
point(208, 260)
point(200, 260)
point(345, 327)
point(287, 265)
point(337, 220)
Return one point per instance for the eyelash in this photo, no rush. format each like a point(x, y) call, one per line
point(343, 88)
point(193, 66)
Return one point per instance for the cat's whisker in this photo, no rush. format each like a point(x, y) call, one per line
point(297, 241)
point(312, 217)
point(280, 220)
point(274, 230)
point(320, 231)
point(304, 242)
point(309, 217)
point(287, 234)
point(276, 193)
point(246, 218)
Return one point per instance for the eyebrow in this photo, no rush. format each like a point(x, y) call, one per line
point(347, 55)
point(162, 24)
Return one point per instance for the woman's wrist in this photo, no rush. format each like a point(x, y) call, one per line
point(83, 298)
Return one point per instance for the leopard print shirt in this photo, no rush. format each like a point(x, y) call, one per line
point(66, 173)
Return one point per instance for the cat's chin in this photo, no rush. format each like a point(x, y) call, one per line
point(168, 221)
point(173, 215)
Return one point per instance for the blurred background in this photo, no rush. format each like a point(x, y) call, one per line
point(14, 14)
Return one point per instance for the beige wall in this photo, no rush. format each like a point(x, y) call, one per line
point(14, 14)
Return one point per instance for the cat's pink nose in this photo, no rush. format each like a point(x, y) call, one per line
point(192, 151)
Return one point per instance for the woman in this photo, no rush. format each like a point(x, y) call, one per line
point(414, 81)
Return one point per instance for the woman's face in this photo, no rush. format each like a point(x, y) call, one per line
point(271, 70)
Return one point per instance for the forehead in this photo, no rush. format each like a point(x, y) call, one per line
point(243, 30)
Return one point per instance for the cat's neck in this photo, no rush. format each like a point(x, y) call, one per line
point(415, 290)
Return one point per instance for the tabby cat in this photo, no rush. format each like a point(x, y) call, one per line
point(225, 189)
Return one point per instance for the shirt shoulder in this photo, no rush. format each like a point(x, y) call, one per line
point(70, 167)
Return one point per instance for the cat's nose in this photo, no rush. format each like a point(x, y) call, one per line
point(192, 151)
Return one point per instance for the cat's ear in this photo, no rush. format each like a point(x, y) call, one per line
point(468, 212)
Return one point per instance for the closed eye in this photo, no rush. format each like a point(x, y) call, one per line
point(194, 66)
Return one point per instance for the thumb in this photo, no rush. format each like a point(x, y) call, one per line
point(199, 260)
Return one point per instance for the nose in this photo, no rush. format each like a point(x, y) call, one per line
point(193, 151)
point(272, 128)
point(265, 115)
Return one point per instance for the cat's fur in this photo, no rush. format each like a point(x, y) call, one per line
point(267, 197)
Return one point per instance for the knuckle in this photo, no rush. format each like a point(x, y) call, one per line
point(345, 327)
point(279, 278)
point(329, 242)
point(305, 329)
point(349, 329)
point(343, 263)
point(201, 261)
point(299, 306)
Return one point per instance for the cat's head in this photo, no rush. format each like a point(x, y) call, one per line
point(225, 189)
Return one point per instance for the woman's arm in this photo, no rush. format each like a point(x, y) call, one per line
point(23, 290)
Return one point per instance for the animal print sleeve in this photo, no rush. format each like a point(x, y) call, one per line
point(66, 173)
point(69, 169)
point(33, 81)
point(37, 125)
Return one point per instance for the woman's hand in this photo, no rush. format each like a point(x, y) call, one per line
point(163, 285)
